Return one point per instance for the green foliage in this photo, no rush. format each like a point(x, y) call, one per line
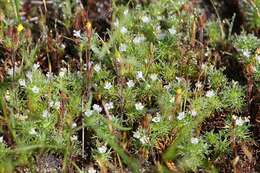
point(146, 91)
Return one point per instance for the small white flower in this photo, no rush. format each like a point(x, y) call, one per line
point(63, 46)
point(35, 90)
point(77, 33)
point(126, 12)
point(109, 105)
point(91, 170)
point(1, 139)
point(102, 149)
point(74, 138)
point(122, 47)
point(139, 75)
point(11, 71)
point(246, 53)
point(193, 113)
point(167, 87)
point(139, 106)
point(49, 75)
point(74, 125)
point(57, 105)
point(239, 121)
point(172, 31)
point(144, 139)
point(258, 59)
point(88, 113)
point(137, 134)
point(36, 66)
point(181, 116)
point(108, 85)
point(138, 39)
point(157, 119)
point(97, 108)
point(130, 84)
point(194, 140)
point(62, 72)
point(22, 82)
point(32, 131)
point(123, 30)
point(146, 19)
point(198, 85)
point(203, 66)
point(153, 77)
point(97, 67)
point(45, 114)
point(172, 100)
point(210, 93)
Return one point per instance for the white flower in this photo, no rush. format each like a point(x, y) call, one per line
point(258, 59)
point(102, 149)
point(108, 85)
point(239, 121)
point(35, 90)
point(145, 19)
point(126, 12)
point(203, 66)
point(109, 105)
point(130, 84)
point(138, 39)
point(32, 131)
point(172, 31)
point(181, 116)
point(246, 53)
point(45, 114)
point(194, 140)
point(62, 72)
point(144, 139)
point(198, 85)
point(139, 75)
point(172, 100)
point(210, 93)
point(22, 82)
point(97, 67)
point(88, 113)
point(91, 170)
point(1, 139)
point(157, 119)
point(122, 47)
point(74, 125)
point(76, 33)
point(57, 105)
point(137, 134)
point(74, 138)
point(193, 113)
point(153, 77)
point(139, 106)
point(49, 75)
point(123, 30)
point(36, 66)
point(97, 108)
point(167, 87)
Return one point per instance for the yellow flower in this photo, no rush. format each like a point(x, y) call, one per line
point(20, 28)
point(88, 25)
point(179, 91)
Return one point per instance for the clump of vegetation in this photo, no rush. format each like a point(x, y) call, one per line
point(137, 99)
